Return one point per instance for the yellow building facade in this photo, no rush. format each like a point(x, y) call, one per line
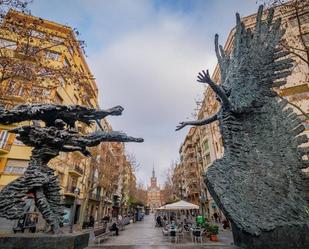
point(59, 74)
point(58, 51)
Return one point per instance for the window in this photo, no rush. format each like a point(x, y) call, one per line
point(29, 50)
point(4, 43)
point(38, 34)
point(221, 141)
point(14, 170)
point(17, 142)
point(19, 91)
point(43, 71)
point(46, 93)
point(15, 166)
point(96, 174)
point(208, 159)
point(306, 37)
point(57, 39)
point(51, 55)
point(71, 49)
point(4, 135)
point(206, 145)
point(60, 177)
point(74, 182)
point(58, 99)
point(75, 99)
point(302, 20)
point(62, 81)
point(66, 62)
point(13, 88)
point(36, 91)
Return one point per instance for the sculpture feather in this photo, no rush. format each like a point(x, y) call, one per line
point(258, 183)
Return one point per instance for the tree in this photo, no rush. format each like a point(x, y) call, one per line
point(138, 196)
point(20, 5)
point(35, 60)
point(134, 164)
point(99, 175)
point(167, 193)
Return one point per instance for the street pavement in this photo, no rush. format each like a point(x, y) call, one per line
point(144, 235)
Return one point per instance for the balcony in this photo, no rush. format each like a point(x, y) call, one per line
point(116, 200)
point(193, 182)
point(95, 197)
point(190, 151)
point(192, 170)
point(191, 160)
point(69, 190)
point(75, 170)
point(107, 200)
point(12, 98)
point(193, 192)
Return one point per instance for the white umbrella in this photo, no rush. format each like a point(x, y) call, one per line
point(179, 205)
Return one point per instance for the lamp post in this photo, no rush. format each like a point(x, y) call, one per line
point(76, 193)
point(202, 201)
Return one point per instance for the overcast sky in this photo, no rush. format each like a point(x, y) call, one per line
point(145, 55)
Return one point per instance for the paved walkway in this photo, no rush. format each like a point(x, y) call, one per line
point(144, 235)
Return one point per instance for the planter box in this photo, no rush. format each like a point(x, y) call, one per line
point(44, 241)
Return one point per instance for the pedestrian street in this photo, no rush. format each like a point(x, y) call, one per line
point(144, 235)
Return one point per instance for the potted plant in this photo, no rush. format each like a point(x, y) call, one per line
point(213, 231)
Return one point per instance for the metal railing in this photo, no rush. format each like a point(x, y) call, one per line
point(70, 189)
point(95, 197)
point(77, 169)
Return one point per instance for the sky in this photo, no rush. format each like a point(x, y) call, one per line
point(145, 55)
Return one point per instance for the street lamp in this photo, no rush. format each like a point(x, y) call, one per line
point(202, 201)
point(76, 193)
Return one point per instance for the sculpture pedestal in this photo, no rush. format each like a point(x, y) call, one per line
point(44, 241)
point(286, 237)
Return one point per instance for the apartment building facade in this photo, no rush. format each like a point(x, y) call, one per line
point(53, 69)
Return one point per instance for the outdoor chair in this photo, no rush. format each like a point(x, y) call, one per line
point(198, 235)
point(165, 232)
point(173, 235)
point(180, 233)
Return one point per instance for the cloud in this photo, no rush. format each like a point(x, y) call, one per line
point(152, 73)
point(145, 55)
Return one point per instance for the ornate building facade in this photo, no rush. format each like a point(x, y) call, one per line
point(153, 193)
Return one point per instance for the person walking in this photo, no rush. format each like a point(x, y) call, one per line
point(91, 221)
point(216, 216)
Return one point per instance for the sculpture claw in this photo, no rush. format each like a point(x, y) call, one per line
point(114, 111)
point(139, 140)
point(180, 126)
point(203, 77)
point(117, 110)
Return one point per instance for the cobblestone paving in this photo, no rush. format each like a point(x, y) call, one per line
point(144, 235)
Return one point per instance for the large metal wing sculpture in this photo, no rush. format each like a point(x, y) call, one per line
point(259, 183)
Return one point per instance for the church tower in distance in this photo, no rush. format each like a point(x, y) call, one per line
point(153, 193)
